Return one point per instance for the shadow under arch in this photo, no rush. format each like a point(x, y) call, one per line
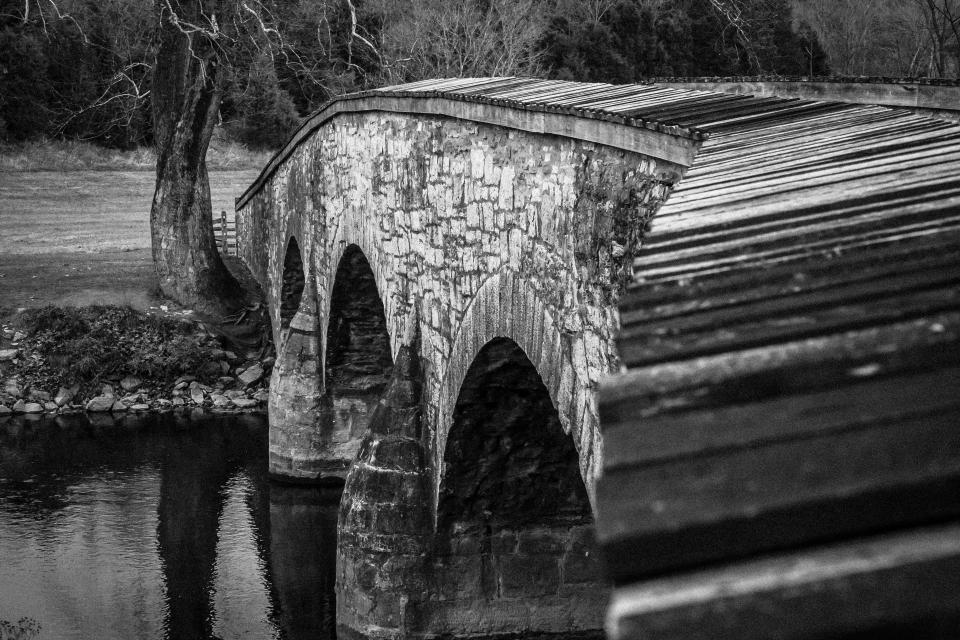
point(508, 306)
point(508, 462)
point(514, 542)
point(357, 358)
point(291, 283)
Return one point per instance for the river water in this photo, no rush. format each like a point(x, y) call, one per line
point(161, 527)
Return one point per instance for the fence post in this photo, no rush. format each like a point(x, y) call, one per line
point(223, 232)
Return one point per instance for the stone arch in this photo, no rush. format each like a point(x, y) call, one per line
point(357, 360)
point(357, 349)
point(507, 306)
point(507, 461)
point(514, 524)
point(292, 282)
point(355, 231)
point(282, 315)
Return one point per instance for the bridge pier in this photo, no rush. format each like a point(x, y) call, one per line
point(296, 384)
point(511, 549)
point(514, 549)
point(384, 522)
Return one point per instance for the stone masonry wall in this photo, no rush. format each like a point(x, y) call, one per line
point(472, 231)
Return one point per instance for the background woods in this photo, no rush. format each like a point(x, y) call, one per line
point(82, 68)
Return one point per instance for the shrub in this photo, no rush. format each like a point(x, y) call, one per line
point(85, 345)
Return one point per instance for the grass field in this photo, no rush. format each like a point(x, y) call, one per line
point(78, 237)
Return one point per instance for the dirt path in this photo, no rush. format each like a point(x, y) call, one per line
point(83, 237)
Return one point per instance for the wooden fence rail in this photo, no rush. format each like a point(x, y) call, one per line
point(225, 231)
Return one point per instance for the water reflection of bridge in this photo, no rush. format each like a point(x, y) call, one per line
point(233, 552)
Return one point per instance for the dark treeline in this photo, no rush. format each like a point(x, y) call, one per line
point(82, 68)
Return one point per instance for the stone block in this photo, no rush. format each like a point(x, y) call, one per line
point(543, 541)
point(524, 575)
point(100, 404)
point(32, 407)
point(503, 542)
point(582, 566)
point(65, 395)
point(251, 375)
point(398, 454)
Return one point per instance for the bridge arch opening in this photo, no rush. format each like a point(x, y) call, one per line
point(514, 523)
point(358, 362)
point(291, 289)
point(358, 344)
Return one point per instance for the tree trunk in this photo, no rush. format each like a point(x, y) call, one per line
point(184, 247)
point(186, 91)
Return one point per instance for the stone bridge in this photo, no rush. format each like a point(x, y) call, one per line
point(445, 264)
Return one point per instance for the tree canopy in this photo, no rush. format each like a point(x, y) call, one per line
point(82, 68)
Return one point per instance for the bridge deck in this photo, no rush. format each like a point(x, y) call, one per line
point(663, 121)
point(792, 339)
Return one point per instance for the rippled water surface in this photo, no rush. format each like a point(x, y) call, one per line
point(159, 528)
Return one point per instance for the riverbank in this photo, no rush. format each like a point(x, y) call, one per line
point(76, 232)
point(114, 359)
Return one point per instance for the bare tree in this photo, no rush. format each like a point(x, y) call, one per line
point(886, 37)
point(199, 46)
point(460, 38)
point(941, 23)
point(846, 30)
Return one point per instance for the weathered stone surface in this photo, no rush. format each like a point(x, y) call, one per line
point(50, 406)
point(245, 403)
point(140, 407)
point(12, 387)
point(220, 400)
point(131, 383)
point(19, 406)
point(384, 517)
point(196, 393)
point(65, 395)
point(8, 354)
point(118, 407)
point(251, 375)
point(470, 233)
point(32, 407)
point(5, 410)
point(100, 404)
point(483, 231)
